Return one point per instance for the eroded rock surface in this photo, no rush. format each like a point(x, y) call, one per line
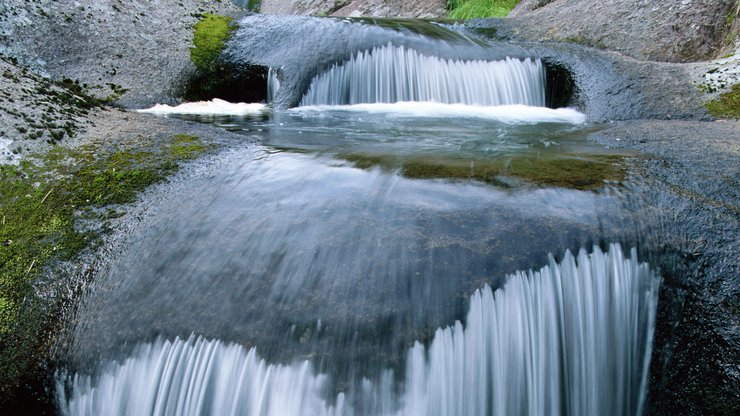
point(354, 8)
point(661, 30)
point(141, 46)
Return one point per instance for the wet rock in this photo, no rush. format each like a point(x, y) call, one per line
point(690, 173)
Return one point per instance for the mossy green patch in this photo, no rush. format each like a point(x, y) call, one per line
point(217, 78)
point(41, 203)
point(471, 9)
point(186, 147)
point(583, 172)
point(254, 5)
point(210, 36)
point(727, 105)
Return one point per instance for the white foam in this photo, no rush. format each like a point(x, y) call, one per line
point(6, 156)
point(215, 107)
point(504, 113)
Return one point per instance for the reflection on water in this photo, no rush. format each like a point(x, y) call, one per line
point(538, 149)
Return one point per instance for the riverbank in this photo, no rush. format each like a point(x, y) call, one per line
point(64, 209)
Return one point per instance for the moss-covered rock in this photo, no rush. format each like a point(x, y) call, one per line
point(42, 204)
point(217, 78)
point(727, 105)
point(209, 38)
point(584, 172)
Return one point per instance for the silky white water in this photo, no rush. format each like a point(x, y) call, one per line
point(273, 85)
point(572, 338)
point(391, 74)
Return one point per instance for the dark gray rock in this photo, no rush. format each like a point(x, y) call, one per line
point(142, 46)
point(688, 178)
point(661, 30)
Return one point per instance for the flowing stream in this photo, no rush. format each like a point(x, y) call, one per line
point(399, 244)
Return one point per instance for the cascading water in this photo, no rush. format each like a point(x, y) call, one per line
point(273, 84)
point(392, 74)
point(324, 269)
point(572, 338)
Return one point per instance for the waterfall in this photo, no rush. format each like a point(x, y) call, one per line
point(572, 338)
point(391, 74)
point(198, 377)
point(273, 85)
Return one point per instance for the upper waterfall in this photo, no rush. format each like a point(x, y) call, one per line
point(392, 74)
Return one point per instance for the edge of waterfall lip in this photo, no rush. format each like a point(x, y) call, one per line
point(512, 114)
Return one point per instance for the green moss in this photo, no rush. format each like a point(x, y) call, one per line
point(583, 172)
point(40, 203)
point(471, 9)
point(217, 78)
point(186, 147)
point(727, 105)
point(210, 36)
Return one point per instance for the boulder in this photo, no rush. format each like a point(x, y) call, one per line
point(659, 30)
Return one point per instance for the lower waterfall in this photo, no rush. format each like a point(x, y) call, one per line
point(392, 74)
point(572, 338)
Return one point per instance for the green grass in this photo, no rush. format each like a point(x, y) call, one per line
point(41, 206)
point(727, 105)
point(210, 36)
point(471, 9)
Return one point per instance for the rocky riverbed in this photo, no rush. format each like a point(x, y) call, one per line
point(71, 71)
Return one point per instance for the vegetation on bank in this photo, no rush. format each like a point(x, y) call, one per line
point(727, 105)
point(209, 37)
point(471, 9)
point(45, 205)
